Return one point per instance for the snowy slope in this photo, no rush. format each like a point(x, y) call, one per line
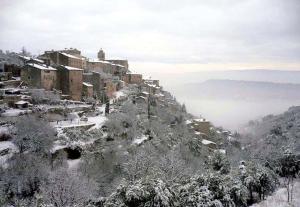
point(279, 198)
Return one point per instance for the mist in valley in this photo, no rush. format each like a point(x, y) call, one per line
point(232, 98)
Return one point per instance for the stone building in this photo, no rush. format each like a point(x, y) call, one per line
point(87, 90)
point(124, 63)
point(63, 58)
point(106, 67)
point(202, 125)
point(101, 54)
point(70, 81)
point(152, 86)
point(114, 67)
point(15, 70)
point(151, 82)
point(39, 76)
point(72, 51)
point(133, 78)
point(103, 84)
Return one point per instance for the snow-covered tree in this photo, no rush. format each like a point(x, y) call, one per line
point(23, 176)
point(33, 134)
point(150, 193)
point(289, 168)
point(66, 189)
point(220, 162)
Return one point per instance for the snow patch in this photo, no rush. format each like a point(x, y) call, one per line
point(140, 140)
point(206, 142)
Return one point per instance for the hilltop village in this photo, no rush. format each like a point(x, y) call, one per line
point(95, 124)
point(69, 77)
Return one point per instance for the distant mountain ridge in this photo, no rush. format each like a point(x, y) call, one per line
point(277, 76)
point(237, 89)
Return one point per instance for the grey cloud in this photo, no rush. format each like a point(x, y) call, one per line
point(192, 31)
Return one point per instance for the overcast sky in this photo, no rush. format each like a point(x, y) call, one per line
point(161, 35)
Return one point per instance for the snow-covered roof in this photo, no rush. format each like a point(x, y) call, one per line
point(38, 60)
point(188, 121)
point(160, 94)
point(87, 84)
point(152, 85)
point(71, 56)
point(98, 61)
point(201, 120)
point(30, 58)
point(24, 57)
point(72, 68)
point(133, 73)
point(41, 67)
point(206, 142)
point(105, 62)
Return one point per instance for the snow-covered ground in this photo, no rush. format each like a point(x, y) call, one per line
point(119, 94)
point(71, 124)
point(99, 119)
point(94, 121)
point(279, 198)
point(73, 164)
point(15, 112)
point(6, 145)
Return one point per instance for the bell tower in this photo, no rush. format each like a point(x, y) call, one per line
point(101, 54)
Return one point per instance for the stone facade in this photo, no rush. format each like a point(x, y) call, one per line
point(120, 62)
point(101, 54)
point(87, 90)
point(132, 78)
point(151, 82)
point(39, 76)
point(103, 85)
point(106, 67)
point(201, 125)
point(70, 81)
point(63, 58)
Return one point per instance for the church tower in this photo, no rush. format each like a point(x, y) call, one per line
point(101, 55)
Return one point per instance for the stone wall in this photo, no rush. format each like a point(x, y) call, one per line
point(48, 79)
point(39, 78)
point(120, 62)
point(70, 82)
point(133, 78)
